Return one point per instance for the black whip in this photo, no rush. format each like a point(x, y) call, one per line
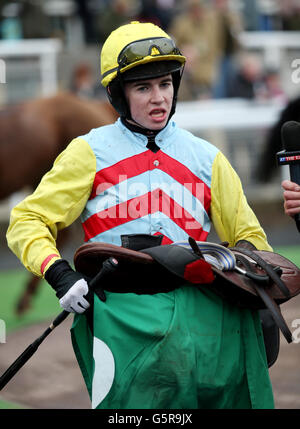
point(108, 267)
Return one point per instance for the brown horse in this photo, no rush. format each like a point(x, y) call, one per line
point(32, 134)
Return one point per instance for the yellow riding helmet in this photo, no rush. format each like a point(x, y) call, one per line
point(135, 44)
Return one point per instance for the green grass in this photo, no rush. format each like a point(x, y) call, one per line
point(44, 304)
point(4, 405)
point(290, 252)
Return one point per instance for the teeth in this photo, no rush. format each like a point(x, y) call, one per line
point(157, 113)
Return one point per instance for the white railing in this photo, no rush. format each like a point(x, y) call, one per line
point(44, 50)
point(272, 44)
point(226, 114)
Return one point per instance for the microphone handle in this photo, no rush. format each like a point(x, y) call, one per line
point(295, 177)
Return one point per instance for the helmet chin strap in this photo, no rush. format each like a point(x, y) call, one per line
point(135, 127)
point(144, 129)
point(138, 128)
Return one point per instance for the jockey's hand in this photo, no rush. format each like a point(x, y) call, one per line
point(70, 287)
point(74, 301)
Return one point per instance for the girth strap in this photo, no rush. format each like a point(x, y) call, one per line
point(269, 269)
point(266, 298)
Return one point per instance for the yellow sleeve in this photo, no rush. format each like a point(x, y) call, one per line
point(231, 215)
point(55, 204)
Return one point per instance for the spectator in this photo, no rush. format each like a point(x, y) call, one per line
point(86, 17)
point(273, 87)
point(250, 15)
point(165, 12)
point(113, 16)
point(228, 25)
point(11, 26)
point(82, 82)
point(290, 15)
point(24, 19)
point(269, 15)
point(149, 12)
point(248, 81)
point(193, 29)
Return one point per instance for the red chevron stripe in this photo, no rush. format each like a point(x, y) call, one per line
point(122, 170)
point(150, 203)
point(138, 164)
point(165, 240)
point(186, 178)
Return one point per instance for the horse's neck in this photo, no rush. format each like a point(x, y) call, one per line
point(77, 117)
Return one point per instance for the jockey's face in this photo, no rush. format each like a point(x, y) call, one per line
point(150, 101)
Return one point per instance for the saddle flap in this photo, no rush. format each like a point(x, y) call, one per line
point(137, 272)
point(289, 273)
point(89, 257)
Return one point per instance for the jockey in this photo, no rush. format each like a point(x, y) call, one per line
point(186, 348)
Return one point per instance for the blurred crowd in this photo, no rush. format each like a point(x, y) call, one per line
point(206, 31)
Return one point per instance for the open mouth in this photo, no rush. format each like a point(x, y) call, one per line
point(158, 113)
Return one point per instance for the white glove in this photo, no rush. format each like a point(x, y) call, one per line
point(73, 301)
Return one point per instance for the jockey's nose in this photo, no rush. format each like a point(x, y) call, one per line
point(156, 94)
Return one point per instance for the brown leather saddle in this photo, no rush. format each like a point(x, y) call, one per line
point(260, 279)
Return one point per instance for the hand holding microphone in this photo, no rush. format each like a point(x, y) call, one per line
point(290, 155)
point(291, 196)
